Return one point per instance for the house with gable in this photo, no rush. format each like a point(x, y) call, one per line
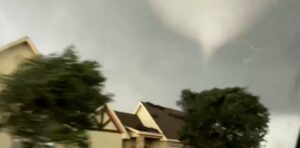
point(14, 53)
point(11, 56)
point(149, 126)
point(111, 134)
point(152, 126)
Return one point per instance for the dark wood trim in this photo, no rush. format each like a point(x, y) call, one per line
point(101, 116)
point(101, 113)
point(103, 123)
point(106, 122)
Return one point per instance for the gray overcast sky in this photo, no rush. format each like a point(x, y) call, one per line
point(144, 60)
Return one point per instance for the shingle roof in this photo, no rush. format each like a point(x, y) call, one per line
point(169, 120)
point(133, 121)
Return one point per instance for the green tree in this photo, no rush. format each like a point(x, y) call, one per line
point(223, 118)
point(52, 99)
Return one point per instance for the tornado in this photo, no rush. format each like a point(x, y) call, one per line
point(210, 23)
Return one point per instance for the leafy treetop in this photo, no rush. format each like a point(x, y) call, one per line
point(53, 98)
point(218, 118)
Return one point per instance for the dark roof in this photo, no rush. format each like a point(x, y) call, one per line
point(298, 142)
point(169, 120)
point(133, 121)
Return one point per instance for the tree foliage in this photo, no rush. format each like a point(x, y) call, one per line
point(52, 99)
point(223, 118)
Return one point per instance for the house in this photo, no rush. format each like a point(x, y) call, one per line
point(14, 53)
point(149, 126)
point(10, 56)
point(152, 126)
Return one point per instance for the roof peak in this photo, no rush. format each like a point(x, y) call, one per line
point(159, 106)
point(24, 39)
point(163, 116)
point(133, 121)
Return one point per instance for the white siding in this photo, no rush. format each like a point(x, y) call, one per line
point(105, 140)
point(9, 60)
point(11, 57)
point(5, 140)
point(146, 118)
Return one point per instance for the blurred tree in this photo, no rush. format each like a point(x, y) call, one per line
point(52, 99)
point(223, 118)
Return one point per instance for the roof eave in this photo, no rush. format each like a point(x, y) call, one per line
point(147, 134)
point(25, 40)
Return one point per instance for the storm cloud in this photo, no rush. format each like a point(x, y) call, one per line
point(210, 23)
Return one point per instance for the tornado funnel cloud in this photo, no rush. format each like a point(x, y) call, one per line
point(210, 23)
